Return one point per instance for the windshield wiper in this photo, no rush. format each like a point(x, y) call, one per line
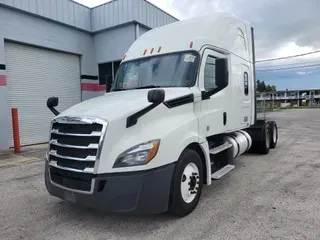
point(119, 89)
point(148, 86)
point(143, 87)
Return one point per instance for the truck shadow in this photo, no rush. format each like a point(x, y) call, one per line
point(121, 225)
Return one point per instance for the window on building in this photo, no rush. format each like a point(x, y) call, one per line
point(246, 84)
point(210, 74)
point(107, 73)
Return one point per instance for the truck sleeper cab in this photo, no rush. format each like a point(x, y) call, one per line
point(179, 112)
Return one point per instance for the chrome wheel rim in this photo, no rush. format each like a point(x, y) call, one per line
point(190, 183)
point(267, 137)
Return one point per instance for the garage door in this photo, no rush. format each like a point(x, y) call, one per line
point(33, 75)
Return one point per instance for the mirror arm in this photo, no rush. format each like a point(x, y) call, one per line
point(207, 94)
point(54, 111)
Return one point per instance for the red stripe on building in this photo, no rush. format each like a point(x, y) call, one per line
point(3, 80)
point(93, 87)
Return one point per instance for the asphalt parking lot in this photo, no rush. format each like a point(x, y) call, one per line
point(266, 197)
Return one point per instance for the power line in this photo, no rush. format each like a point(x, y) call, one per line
point(277, 69)
point(290, 64)
point(293, 56)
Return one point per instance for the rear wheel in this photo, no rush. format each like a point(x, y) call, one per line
point(273, 134)
point(187, 183)
point(264, 145)
point(262, 139)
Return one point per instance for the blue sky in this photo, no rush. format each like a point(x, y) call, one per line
point(291, 79)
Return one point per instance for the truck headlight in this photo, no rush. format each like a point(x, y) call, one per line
point(138, 155)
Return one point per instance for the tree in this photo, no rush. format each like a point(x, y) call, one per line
point(268, 88)
point(274, 88)
point(262, 87)
point(271, 88)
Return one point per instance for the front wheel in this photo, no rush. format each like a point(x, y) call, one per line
point(187, 183)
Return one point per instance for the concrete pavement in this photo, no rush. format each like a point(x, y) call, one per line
point(266, 197)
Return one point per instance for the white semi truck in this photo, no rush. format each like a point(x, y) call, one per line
point(182, 107)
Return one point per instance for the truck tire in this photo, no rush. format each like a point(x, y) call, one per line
point(187, 183)
point(264, 146)
point(273, 134)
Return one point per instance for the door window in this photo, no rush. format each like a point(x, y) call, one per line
point(210, 74)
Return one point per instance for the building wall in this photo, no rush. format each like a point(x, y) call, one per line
point(63, 11)
point(111, 14)
point(4, 120)
point(25, 28)
point(111, 45)
point(102, 17)
point(97, 35)
point(143, 30)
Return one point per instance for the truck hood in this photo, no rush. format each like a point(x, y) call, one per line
point(114, 105)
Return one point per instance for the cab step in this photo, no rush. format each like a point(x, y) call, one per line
point(220, 148)
point(223, 171)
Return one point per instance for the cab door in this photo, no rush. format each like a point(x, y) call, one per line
point(214, 107)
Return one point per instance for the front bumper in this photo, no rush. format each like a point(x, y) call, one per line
point(144, 192)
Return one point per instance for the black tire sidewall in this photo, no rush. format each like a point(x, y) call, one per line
point(178, 206)
point(264, 147)
point(273, 126)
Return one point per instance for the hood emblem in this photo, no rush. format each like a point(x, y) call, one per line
point(76, 120)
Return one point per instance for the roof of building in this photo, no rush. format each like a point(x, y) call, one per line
point(146, 1)
point(291, 90)
point(105, 16)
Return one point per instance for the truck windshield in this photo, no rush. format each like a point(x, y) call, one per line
point(172, 70)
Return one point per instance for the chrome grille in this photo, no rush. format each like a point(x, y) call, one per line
point(75, 145)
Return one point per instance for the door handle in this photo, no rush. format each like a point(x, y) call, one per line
point(224, 118)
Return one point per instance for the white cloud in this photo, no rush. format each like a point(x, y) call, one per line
point(301, 73)
point(166, 5)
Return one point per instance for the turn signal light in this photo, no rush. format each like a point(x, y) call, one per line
point(153, 152)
